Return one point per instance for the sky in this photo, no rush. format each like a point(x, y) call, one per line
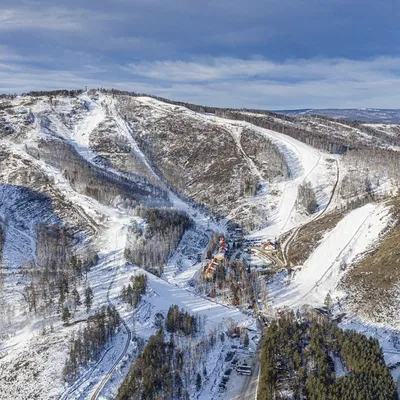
point(270, 54)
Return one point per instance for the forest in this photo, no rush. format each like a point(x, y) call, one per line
point(265, 154)
point(362, 179)
point(310, 357)
point(264, 119)
point(234, 283)
point(168, 367)
point(58, 272)
point(94, 181)
point(180, 321)
point(151, 246)
point(307, 198)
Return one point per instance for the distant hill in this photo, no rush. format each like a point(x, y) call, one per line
point(372, 115)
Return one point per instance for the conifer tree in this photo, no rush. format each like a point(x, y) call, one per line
point(88, 298)
point(198, 382)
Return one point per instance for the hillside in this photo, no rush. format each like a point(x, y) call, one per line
point(103, 190)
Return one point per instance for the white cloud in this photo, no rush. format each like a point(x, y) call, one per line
point(262, 83)
point(52, 18)
point(229, 82)
point(233, 68)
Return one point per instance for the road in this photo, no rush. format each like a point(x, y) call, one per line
point(250, 385)
point(263, 254)
point(106, 378)
point(249, 388)
point(292, 236)
point(90, 374)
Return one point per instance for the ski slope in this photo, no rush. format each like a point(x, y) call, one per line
point(195, 304)
point(306, 164)
point(321, 273)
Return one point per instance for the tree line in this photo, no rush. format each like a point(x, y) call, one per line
point(262, 118)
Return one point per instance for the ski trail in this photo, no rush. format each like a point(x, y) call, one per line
point(322, 271)
point(236, 133)
point(94, 117)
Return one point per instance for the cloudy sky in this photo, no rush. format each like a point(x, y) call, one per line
point(271, 54)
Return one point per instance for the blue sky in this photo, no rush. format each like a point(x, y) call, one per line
point(269, 54)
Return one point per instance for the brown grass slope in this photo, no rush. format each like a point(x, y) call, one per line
point(372, 282)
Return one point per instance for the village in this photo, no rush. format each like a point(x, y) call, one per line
point(253, 255)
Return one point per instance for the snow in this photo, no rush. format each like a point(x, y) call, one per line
point(22, 210)
point(215, 312)
point(320, 274)
point(81, 133)
point(355, 234)
point(306, 165)
point(339, 367)
point(112, 271)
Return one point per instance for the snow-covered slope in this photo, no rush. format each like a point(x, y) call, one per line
point(22, 210)
point(110, 218)
point(87, 161)
point(322, 272)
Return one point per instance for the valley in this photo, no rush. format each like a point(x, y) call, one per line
point(284, 220)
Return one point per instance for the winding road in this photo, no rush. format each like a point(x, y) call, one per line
point(292, 236)
point(105, 379)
